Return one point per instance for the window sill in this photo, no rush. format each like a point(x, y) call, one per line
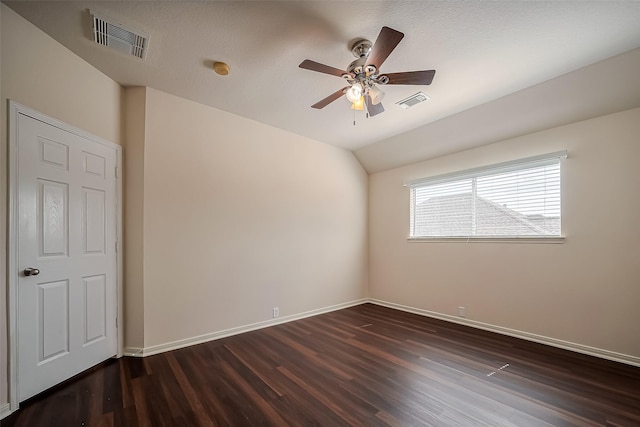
point(554, 239)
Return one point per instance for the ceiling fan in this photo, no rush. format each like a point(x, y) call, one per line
point(363, 75)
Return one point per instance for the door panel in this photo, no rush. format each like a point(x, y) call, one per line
point(94, 164)
point(93, 216)
point(53, 325)
point(54, 153)
point(95, 308)
point(53, 202)
point(66, 230)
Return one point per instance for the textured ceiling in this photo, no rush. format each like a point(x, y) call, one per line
point(482, 51)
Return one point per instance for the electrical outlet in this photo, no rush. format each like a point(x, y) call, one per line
point(276, 312)
point(461, 312)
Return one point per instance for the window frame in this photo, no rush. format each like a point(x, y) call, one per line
point(504, 167)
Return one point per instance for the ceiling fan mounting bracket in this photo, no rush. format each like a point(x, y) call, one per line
point(361, 48)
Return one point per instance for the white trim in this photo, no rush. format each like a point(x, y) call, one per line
point(5, 410)
point(119, 254)
point(133, 352)
point(174, 345)
point(12, 243)
point(12, 257)
point(481, 239)
point(566, 345)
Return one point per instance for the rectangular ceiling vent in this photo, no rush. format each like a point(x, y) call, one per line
point(116, 36)
point(413, 100)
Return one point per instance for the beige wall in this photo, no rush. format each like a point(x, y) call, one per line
point(135, 108)
point(240, 217)
point(41, 74)
point(584, 291)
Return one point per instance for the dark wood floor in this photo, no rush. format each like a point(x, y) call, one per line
point(365, 366)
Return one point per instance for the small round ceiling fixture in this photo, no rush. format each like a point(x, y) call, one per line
point(221, 68)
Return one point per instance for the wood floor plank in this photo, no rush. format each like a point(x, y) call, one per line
point(362, 366)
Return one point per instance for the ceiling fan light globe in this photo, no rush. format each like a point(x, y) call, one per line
point(354, 93)
point(376, 95)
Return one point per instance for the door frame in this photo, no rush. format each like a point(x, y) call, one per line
point(13, 269)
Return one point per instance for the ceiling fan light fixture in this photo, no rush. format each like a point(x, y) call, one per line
point(358, 105)
point(363, 75)
point(354, 93)
point(376, 95)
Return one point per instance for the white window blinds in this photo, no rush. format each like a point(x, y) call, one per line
point(515, 199)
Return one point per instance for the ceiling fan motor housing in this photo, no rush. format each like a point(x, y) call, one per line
point(357, 66)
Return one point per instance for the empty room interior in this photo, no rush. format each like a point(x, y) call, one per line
point(320, 213)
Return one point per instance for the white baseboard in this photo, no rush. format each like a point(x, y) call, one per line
point(174, 345)
point(5, 410)
point(133, 352)
point(578, 348)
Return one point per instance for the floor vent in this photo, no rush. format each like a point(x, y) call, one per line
point(116, 36)
point(413, 100)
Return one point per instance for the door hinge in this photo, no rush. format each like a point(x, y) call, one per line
point(117, 172)
point(116, 247)
point(116, 322)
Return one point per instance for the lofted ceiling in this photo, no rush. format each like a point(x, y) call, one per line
point(490, 57)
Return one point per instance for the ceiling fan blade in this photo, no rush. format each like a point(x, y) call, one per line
point(411, 78)
point(372, 108)
point(308, 64)
point(387, 40)
point(329, 99)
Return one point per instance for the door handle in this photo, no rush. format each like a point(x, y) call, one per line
point(30, 271)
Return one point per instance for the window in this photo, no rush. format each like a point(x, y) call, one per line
point(519, 199)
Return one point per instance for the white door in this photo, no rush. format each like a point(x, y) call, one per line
point(66, 254)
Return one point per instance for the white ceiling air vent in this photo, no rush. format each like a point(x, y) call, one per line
point(413, 100)
point(116, 36)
